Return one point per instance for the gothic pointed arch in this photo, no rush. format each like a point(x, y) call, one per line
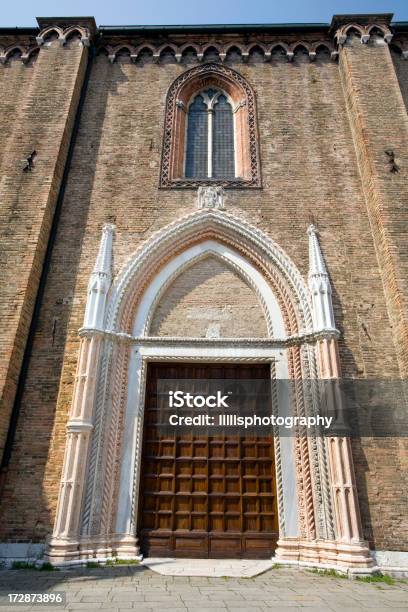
point(283, 295)
point(212, 296)
point(103, 457)
point(272, 262)
point(224, 259)
point(242, 98)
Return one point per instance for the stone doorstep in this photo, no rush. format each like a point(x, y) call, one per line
point(210, 568)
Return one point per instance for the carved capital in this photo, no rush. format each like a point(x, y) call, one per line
point(78, 426)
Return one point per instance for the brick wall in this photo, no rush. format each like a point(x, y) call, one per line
point(194, 306)
point(401, 70)
point(40, 117)
point(379, 123)
point(309, 170)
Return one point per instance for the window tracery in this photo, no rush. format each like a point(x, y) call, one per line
point(210, 136)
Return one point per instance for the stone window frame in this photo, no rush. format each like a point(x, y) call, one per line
point(182, 90)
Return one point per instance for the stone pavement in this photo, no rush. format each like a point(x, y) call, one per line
point(212, 568)
point(125, 588)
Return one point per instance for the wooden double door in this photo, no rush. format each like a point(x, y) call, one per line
point(205, 496)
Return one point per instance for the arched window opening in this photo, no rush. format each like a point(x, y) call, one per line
point(223, 135)
point(210, 130)
point(210, 137)
point(197, 139)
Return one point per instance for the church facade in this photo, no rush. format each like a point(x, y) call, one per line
point(200, 202)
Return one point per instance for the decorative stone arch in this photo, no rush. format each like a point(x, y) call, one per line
point(25, 53)
point(176, 237)
point(193, 256)
point(98, 499)
point(253, 48)
point(322, 47)
point(246, 139)
point(364, 31)
point(16, 51)
point(64, 35)
point(81, 33)
point(47, 33)
point(188, 48)
point(165, 48)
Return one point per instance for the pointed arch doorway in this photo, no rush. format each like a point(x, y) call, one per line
point(212, 282)
point(206, 495)
point(97, 514)
point(203, 495)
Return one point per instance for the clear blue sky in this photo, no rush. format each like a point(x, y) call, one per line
point(146, 12)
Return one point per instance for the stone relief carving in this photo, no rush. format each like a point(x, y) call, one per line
point(210, 197)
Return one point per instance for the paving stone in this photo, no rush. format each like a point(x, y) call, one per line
point(199, 608)
point(127, 597)
point(294, 591)
point(396, 596)
point(224, 595)
point(247, 608)
point(281, 607)
point(84, 606)
point(94, 598)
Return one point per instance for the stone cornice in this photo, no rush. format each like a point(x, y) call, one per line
point(287, 47)
point(287, 40)
point(363, 19)
point(363, 25)
point(121, 337)
point(26, 47)
point(64, 23)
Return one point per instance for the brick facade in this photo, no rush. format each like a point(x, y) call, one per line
point(324, 124)
point(194, 307)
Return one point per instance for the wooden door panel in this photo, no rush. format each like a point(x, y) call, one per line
point(206, 496)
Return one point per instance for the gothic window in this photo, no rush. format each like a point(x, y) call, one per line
point(197, 139)
point(210, 132)
point(210, 137)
